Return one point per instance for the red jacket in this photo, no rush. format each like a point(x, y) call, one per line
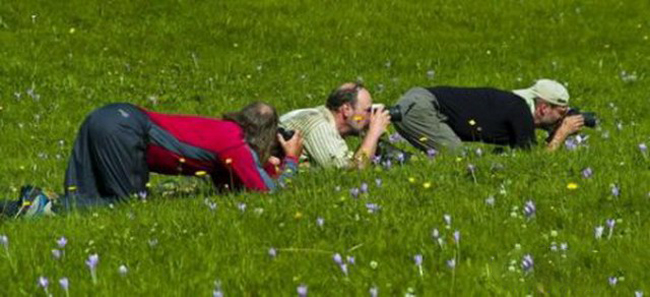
point(193, 145)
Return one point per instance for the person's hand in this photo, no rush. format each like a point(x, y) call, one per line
point(274, 161)
point(293, 146)
point(571, 125)
point(379, 120)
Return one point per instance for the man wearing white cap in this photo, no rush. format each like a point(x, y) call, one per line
point(443, 117)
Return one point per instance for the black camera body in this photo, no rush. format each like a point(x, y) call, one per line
point(286, 134)
point(395, 113)
point(591, 120)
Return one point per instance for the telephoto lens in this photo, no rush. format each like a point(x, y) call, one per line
point(395, 112)
point(591, 120)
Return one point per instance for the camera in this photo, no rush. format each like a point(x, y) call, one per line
point(395, 112)
point(286, 134)
point(590, 117)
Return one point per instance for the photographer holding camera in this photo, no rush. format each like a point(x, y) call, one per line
point(348, 111)
point(119, 144)
point(443, 117)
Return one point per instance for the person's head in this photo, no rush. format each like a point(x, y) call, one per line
point(550, 99)
point(260, 124)
point(352, 104)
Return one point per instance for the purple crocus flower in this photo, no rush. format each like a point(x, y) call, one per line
point(616, 191)
point(431, 74)
point(418, 259)
point(351, 260)
point(355, 192)
point(61, 242)
point(587, 172)
point(376, 159)
point(564, 246)
point(638, 293)
point(374, 292)
point(92, 261)
point(598, 232)
point(320, 222)
point(241, 206)
point(395, 137)
point(451, 263)
point(570, 144)
point(65, 284)
point(363, 188)
point(217, 289)
point(211, 205)
point(457, 236)
point(610, 224)
point(527, 263)
point(273, 252)
point(613, 281)
point(372, 207)
point(92, 265)
point(302, 290)
point(435, 233)
point(581, 139)
point(490, 201)
point(217, 292)
point(387, 164)
point(56, 254)
point(447, 219)
point(643, 147)
point(43, 282)
point(378, 182)
point(529, 209)
point(4, 240)
point(344, 269)
point(123, 270)
point(619, 126)
point(337, 258)
point(431, 153)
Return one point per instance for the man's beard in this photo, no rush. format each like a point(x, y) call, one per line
point(355, 128)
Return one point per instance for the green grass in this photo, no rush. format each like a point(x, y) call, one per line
point(212, 57)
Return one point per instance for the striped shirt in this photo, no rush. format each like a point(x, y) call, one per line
point(322, 143)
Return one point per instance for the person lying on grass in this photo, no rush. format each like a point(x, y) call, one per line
point(119, 144)
point(347, 112)
point(441, 118)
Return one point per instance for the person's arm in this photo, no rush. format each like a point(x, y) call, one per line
point(326, 147)
point(244, 164)
point(570, 125)
point(379, 120)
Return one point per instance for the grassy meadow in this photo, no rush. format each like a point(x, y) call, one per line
point(61, 59)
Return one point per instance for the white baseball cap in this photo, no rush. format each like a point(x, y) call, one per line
point(546, 89)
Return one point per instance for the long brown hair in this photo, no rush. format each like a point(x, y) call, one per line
point(260, 124)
